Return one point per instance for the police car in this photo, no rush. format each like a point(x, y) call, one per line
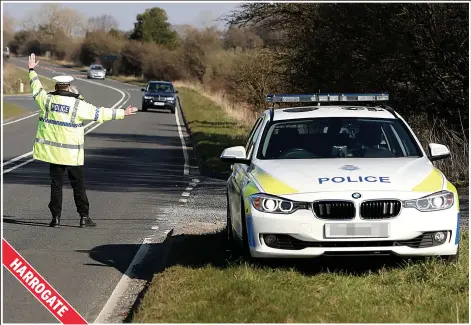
point(343, 175)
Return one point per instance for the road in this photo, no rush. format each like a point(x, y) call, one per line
point(138, 192)
point(134, 176)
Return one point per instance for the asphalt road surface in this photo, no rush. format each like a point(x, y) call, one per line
point(138, 192)
point(134, 174)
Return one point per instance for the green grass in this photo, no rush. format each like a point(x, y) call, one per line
point(202, 284)
point(10, 110)
point(212, 130)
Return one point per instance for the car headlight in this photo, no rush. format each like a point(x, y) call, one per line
point(273, 204)
point(147, 97)
point(438, 201)
point(170, 99)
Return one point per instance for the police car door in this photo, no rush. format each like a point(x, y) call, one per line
point(240, 176)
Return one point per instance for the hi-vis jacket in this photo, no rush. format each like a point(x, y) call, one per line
point(60, 135)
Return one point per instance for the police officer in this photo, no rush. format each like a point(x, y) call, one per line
point(60, 138)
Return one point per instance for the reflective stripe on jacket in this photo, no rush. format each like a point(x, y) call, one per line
point(60, 135)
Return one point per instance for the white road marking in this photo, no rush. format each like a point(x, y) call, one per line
point(188, 189)
point(155, 228)
point(88, 131)
point(183, 200)
point(185, 194)
point(18, 166)
point(123, 283)
point(195, 180)
point(30, 153)
point(21, 119)
point(193, 184)
point(186, 169)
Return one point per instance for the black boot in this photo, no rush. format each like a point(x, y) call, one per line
point(56, 221)
point(85, 221)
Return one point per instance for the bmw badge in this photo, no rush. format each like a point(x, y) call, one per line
point(356, 195)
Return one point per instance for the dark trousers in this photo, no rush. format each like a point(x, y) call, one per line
point(75, 174)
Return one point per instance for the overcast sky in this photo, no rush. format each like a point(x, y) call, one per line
point(178, 13)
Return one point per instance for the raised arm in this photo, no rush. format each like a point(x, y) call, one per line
point(39, 94)
point(86, 111)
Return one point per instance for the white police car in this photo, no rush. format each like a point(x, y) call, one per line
point(339, 180)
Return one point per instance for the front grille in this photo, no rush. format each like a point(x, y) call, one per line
point(337, 210)
point(380, 209)
point(290, 243)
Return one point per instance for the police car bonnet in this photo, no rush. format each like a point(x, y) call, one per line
point(63, 80)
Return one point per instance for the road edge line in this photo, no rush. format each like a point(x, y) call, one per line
point(6, 163)
point(186, 166)
point(124, 282)
point(89, 130)
point(11, 121)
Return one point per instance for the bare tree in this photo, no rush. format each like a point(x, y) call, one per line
point(104, 23)
point(51, 18)
point(8, 28)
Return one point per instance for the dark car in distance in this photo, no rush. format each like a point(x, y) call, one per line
point(159, 94)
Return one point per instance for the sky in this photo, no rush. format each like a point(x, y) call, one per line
point(198, 14)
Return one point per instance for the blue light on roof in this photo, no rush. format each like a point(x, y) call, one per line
point(316, 98)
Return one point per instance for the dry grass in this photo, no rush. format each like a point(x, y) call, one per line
point(10, 110)
point(240, 113)
point(212, 129)
point(456, 168)
point(139, 81)
point(11, 76)
point(64, 63)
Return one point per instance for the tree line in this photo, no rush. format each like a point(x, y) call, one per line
point(416, 52)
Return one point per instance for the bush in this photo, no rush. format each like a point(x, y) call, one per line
point(98, 44)
point(164, 64)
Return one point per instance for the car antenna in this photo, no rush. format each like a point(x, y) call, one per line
point(319, 102)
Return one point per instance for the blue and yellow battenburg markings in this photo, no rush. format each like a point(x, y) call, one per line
point(250, 233)
point(450, 187)
point(355, 179)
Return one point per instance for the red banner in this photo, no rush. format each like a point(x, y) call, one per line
point(39, 287)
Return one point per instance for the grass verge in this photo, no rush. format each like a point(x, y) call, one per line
point(11, 75)
point(212, 130)
point(202, 285)
point(65, 63)
point(130, 80)
point(10, 110)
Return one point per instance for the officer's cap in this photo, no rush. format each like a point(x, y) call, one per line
point(63, 80)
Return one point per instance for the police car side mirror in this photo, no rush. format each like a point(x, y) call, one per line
point(176, 91)
point(235, 155)
point(438, 151)
point(142, 89)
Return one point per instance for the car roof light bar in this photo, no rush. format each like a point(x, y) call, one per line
point(319, 98)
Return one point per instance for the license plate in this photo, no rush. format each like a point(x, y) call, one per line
point(159, 104)
point(357, 230)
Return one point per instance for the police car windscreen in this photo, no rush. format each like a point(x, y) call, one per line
point(97, 67)
point(338, 137)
